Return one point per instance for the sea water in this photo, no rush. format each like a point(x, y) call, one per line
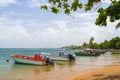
point(11, 71)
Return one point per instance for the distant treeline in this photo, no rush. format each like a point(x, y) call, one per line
point(114, 43)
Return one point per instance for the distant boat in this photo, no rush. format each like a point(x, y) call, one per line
point(36, 60)
point(85, 53)
point(115, 51)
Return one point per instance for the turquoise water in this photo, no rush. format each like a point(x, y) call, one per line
point(11, 71)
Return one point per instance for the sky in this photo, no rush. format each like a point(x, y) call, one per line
point(24, 25)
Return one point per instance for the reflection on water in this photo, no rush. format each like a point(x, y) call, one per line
point(116, 57)
point(39, 70)
point(31, 68)
point(92, 59)
point(66, 65)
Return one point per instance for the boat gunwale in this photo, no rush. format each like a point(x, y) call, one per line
point(24, 57)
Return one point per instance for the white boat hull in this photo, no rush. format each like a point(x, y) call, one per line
point(26, 61)
point(59, 60)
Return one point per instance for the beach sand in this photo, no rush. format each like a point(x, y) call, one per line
point(111, 72)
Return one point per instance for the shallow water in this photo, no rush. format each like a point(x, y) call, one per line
point(11, 71)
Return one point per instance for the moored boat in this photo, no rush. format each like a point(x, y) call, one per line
point(99, 51)
point(115, 52)
point(36, 60)
point(61, 57)
point(85, 53)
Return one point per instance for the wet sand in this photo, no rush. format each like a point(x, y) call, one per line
point(111, 72)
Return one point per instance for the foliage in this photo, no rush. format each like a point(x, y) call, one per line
point(118, 25)
point(112, 11)
point(114, 43)
point(85, 45)
point(91, 42)
point(105, 45)
point(72, 47)
point(118, 45)
point(95, 46)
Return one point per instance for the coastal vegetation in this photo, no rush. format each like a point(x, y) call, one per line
point(114, 43)
point(109, 13)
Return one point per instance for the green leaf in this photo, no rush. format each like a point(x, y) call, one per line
point(100, 10)
point(59, 5)
point(74, 5)
point(65, 0)
point(65, 6)
point(45, 7)
point(55, 9)
point(118, 25)
point(67, 11)
point(80, 5)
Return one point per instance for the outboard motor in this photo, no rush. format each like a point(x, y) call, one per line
point(71, 57)
point(48, 61)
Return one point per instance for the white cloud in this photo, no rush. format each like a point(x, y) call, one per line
point(106, 1)
point(37, 3)
point(56, 33)
point(7, 2)
point(15, 14)
point(11, 32)
point(61, 24)
point(34, 3)
point(85, 16)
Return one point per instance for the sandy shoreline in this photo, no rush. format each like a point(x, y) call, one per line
point(111, 72)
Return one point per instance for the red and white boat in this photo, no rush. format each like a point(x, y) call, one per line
point(36, 60)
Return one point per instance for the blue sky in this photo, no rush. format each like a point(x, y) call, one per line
point(24, 25)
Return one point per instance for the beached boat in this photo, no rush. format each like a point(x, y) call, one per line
point(85, 53)
point(36, 60)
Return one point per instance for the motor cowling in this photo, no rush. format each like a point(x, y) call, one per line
point(71, 57)
point(48, 61)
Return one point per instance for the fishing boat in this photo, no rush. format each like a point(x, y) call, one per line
point(99, 51)
point(85, 53)
point(56, 58)
point(60, 58)
point(36, 60)
point(115, 51)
